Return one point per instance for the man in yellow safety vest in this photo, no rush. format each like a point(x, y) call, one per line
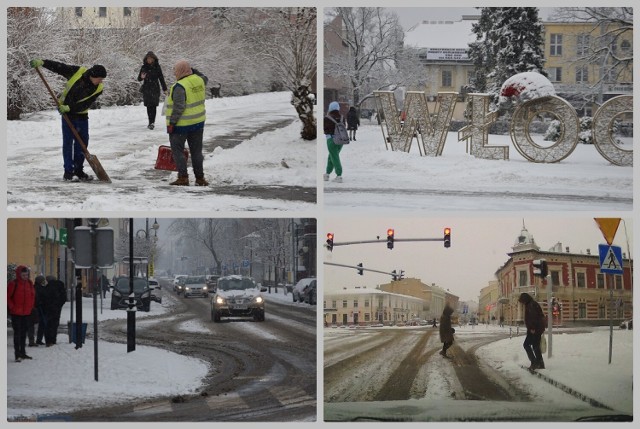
point(185, 113)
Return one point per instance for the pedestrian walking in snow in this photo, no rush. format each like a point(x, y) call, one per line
point(83, 88)
point(21, 297)
point(446, 330)
point(535, 323)
point(104, 285)
point(185, 121)
point(152, 79)
point(333, 161)
point(353, 122)
point(57, 298)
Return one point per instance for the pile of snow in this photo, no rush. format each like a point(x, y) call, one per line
point(524, 87)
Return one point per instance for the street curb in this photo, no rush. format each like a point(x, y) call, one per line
point(568, 389)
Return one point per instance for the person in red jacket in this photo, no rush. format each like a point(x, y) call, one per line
point(21, 297)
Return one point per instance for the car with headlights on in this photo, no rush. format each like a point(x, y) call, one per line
point(195, 286)
point(122, 290)
point(237, 296)
point(156, 290)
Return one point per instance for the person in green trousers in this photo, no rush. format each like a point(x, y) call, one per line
point(333, 162)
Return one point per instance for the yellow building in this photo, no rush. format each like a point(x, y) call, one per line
point(100, 17)
point(36, 243)
point(488, 306)
point(567, 49)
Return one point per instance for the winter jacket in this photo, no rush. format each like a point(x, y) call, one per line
point(352, 119)
point(21, 295)
point(193, 90)
point(81, 95)
point(329, 126)
point(152, 82)
point(534, 318)
point(48, 298)
point(446, 330)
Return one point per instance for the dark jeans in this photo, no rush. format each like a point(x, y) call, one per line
point(51, 328)
point(194, 139)
point(20, 326)
point(71, 150)
point(532, 347)
point(445, 346)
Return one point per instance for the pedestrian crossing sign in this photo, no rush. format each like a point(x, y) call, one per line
point(610, 259)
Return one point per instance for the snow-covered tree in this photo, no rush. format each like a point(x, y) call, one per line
point(285, 38)
point(509, 41)
point(374, 57)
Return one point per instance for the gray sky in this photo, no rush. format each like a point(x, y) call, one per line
point(479, 246)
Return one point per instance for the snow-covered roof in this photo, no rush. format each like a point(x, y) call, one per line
point(434, 35)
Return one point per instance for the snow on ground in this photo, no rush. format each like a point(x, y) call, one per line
point(579, 360)
point(378, 179)
point(60, 377)
point(127, 151)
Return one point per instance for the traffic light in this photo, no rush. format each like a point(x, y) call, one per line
point(401, 276)
point(447, 237)
point(390, 233)
point(330, 241)
point(540, 268)
point(360, 271)
point(394, 276)
point(555, 307)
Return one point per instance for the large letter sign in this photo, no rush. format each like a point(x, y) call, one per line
point(603, 130)
point(433, 131)
point(569, 123)
point(478, 130)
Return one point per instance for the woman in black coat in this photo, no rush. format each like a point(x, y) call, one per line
point(352, 122)
point(151, 75)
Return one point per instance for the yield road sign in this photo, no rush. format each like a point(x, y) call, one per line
point(610, 259)
point(608, 227)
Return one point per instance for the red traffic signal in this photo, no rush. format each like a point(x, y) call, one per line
point(330, 241)
point(390, 238)
point(447, 237)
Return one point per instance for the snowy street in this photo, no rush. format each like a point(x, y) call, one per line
point(380, 371)
point(244, 146)
point(184, 368)
point(378, 179)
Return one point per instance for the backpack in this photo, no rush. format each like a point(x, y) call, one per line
point(340, 135)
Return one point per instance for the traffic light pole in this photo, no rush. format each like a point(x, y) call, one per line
point(347, 243)
point(361, 268)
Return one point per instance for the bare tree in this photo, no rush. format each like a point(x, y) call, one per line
point(204, 233)
point(286, 39)
point(374, 57)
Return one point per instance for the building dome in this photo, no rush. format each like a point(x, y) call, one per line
point(524, 241)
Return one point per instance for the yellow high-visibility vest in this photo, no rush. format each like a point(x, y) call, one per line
point(194, 111)
point(72, 81)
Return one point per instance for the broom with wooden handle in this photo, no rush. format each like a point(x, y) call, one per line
point(91, 159)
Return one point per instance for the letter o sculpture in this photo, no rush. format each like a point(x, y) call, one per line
point(569, 128)
point(603, 130)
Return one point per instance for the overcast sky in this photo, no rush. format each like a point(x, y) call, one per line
point(479, 246)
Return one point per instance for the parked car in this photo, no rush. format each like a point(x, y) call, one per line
point(121, 292)
point(195, 286)
point(178, 283)
point(627, 324)
point(298, 289)
point(309, 294)
point(156, 290)
point(237, 296)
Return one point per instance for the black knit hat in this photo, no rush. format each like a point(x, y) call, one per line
point(98, 71)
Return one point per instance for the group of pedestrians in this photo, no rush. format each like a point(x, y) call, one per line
point(184, 116)
point(30, 304)
point(534, 320)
